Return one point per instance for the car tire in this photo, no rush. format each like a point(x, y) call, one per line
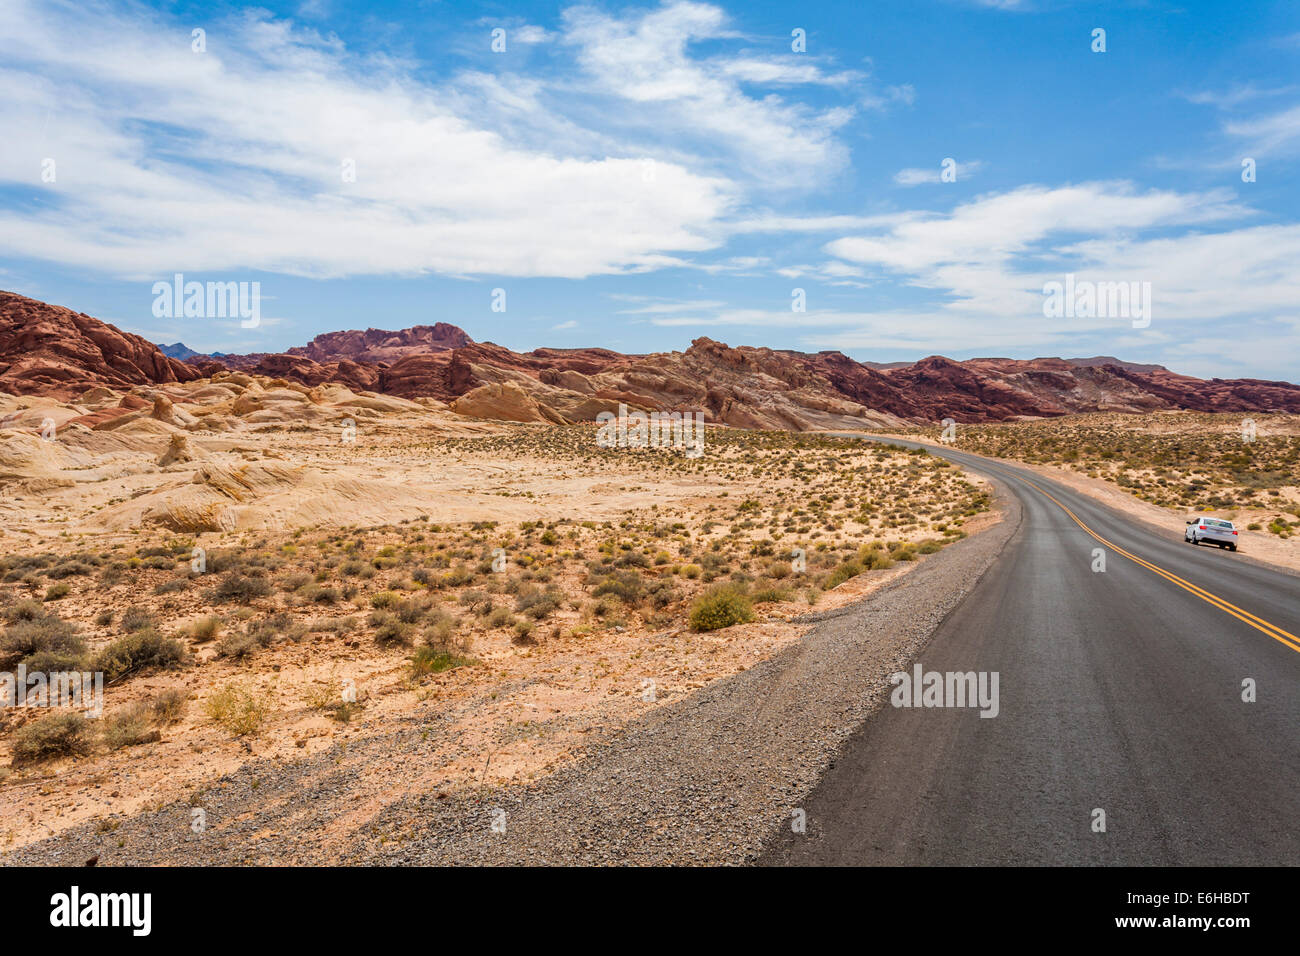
point(1194, 541)
point(1232, 547)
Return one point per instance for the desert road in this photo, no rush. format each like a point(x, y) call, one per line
point(1120, 691)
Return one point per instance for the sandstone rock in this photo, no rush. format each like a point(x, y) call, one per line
point(504, 402)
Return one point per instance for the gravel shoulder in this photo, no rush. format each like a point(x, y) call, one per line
point(702, 780)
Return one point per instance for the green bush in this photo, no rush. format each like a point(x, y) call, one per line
point(238, 709)
point(237, 587)
point(138, 652)
point(430, 660)
point(721, 606)
point(49, 637)
point(58, 735)
point(130, 726)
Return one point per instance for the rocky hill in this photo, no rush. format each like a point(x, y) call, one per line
point(45, 348)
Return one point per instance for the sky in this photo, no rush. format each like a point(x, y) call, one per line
point(911, 174)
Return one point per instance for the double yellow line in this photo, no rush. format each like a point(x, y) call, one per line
point(1259, 624)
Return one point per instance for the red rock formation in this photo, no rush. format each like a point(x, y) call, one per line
point(51, 350)
point(47, 349)
point(379, 345)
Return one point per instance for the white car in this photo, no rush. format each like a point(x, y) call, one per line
point(1212, 530)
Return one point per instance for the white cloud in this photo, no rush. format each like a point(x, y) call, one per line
point(646, 61)
point(1274, 131)
point(231, 159)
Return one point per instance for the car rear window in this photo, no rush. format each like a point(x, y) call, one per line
point(1213, 523)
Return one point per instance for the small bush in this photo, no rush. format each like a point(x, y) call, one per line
point(56, 591)
point(169, 706)
point(130, 726)
point(50, 638)
point(430, 660)
point(58, 735)
point(238, 587)
point(625, 585)
point(501, 617)
point(135, 618)
point(721, 606)
point(138, 652)
point(390, 630)
point(205, 629)
point(238, 709)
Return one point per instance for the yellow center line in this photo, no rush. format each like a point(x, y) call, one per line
point(1258, 623)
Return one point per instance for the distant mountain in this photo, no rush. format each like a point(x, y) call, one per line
point(178, 351)
point(48, 349)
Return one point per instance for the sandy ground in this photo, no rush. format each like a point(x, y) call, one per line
point(265, 476)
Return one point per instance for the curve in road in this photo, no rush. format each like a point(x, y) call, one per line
point(1122, 692)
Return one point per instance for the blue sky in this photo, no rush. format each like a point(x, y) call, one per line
point(636, 175)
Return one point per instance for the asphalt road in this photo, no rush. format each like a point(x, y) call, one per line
point(1119, 691)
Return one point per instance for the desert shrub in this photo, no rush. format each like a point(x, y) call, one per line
point(385, 599)
point(50, 638)
point(524, 632)
point(412, 611)
point(929, 546)
point(135, 618)
point(390, 630)
point(137, 652)
point(770, 595)
point(660, 594)
point(431, 660)
point(239, 645)
point(25, 610)
point(57, 735)
point(242, 588)
point(501, 617)
point(442, 634)
point(537, 603)
point(68, 569)
point(205, 629)
point(174, 586)
point(238, 709)
point(480, 602)
point(315, 594)
point(720, 606)
point(129, 726)
point(56, 591)
point(779, 570)
point(625, 585)
point(169, 706)
point(295, 581)
point(846, 570)
point(691, 571)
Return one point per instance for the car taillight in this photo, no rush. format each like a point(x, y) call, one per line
point(1234, 532)
point(1200, 527)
